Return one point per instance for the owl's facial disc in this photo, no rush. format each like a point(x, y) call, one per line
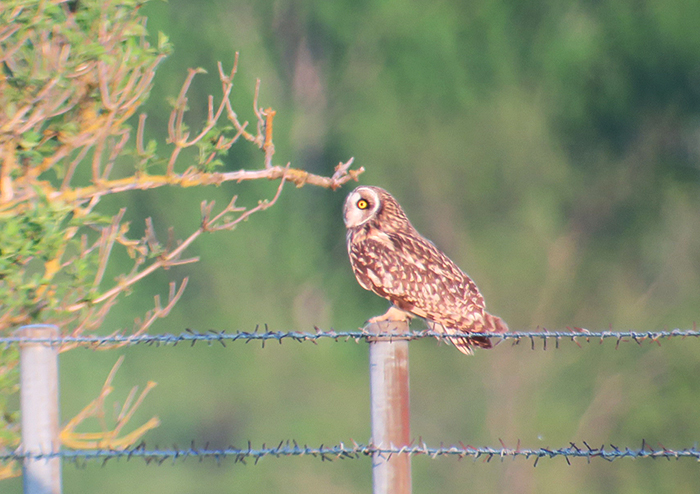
point(360, 206)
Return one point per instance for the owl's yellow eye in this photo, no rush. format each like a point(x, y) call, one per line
point(362, 204)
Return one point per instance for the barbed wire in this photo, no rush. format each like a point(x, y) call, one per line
point(355, 451)
point(575, 335)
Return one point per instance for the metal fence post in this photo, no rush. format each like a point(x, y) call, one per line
point(39, 409)
point(389, 395)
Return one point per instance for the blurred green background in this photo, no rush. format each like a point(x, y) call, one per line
point(552, 149)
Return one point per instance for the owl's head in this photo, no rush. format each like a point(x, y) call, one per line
point(367, 203)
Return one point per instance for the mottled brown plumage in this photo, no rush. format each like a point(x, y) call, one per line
point(390, 258)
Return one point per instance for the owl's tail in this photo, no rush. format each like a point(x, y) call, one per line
point(491, 324)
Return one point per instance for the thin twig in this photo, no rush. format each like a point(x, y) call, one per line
point(168, 259)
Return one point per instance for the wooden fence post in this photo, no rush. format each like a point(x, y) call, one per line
point(389, 395)
point(39, 409)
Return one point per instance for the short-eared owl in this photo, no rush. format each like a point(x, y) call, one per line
point(390, 258)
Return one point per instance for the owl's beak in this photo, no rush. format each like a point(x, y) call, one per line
point(346, 211)
point(352, 216)
point(346, 215)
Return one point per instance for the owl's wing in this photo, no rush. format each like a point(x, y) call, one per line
point(414, 275)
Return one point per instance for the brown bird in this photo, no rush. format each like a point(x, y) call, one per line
point(390, 258)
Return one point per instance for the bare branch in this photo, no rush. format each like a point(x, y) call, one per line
point(108, 438)
point(160, 312)
point(268, 147)
point(108, 237)
point(262, 205)
point(171, 258)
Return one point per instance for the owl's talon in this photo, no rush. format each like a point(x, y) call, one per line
point(394, 314)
